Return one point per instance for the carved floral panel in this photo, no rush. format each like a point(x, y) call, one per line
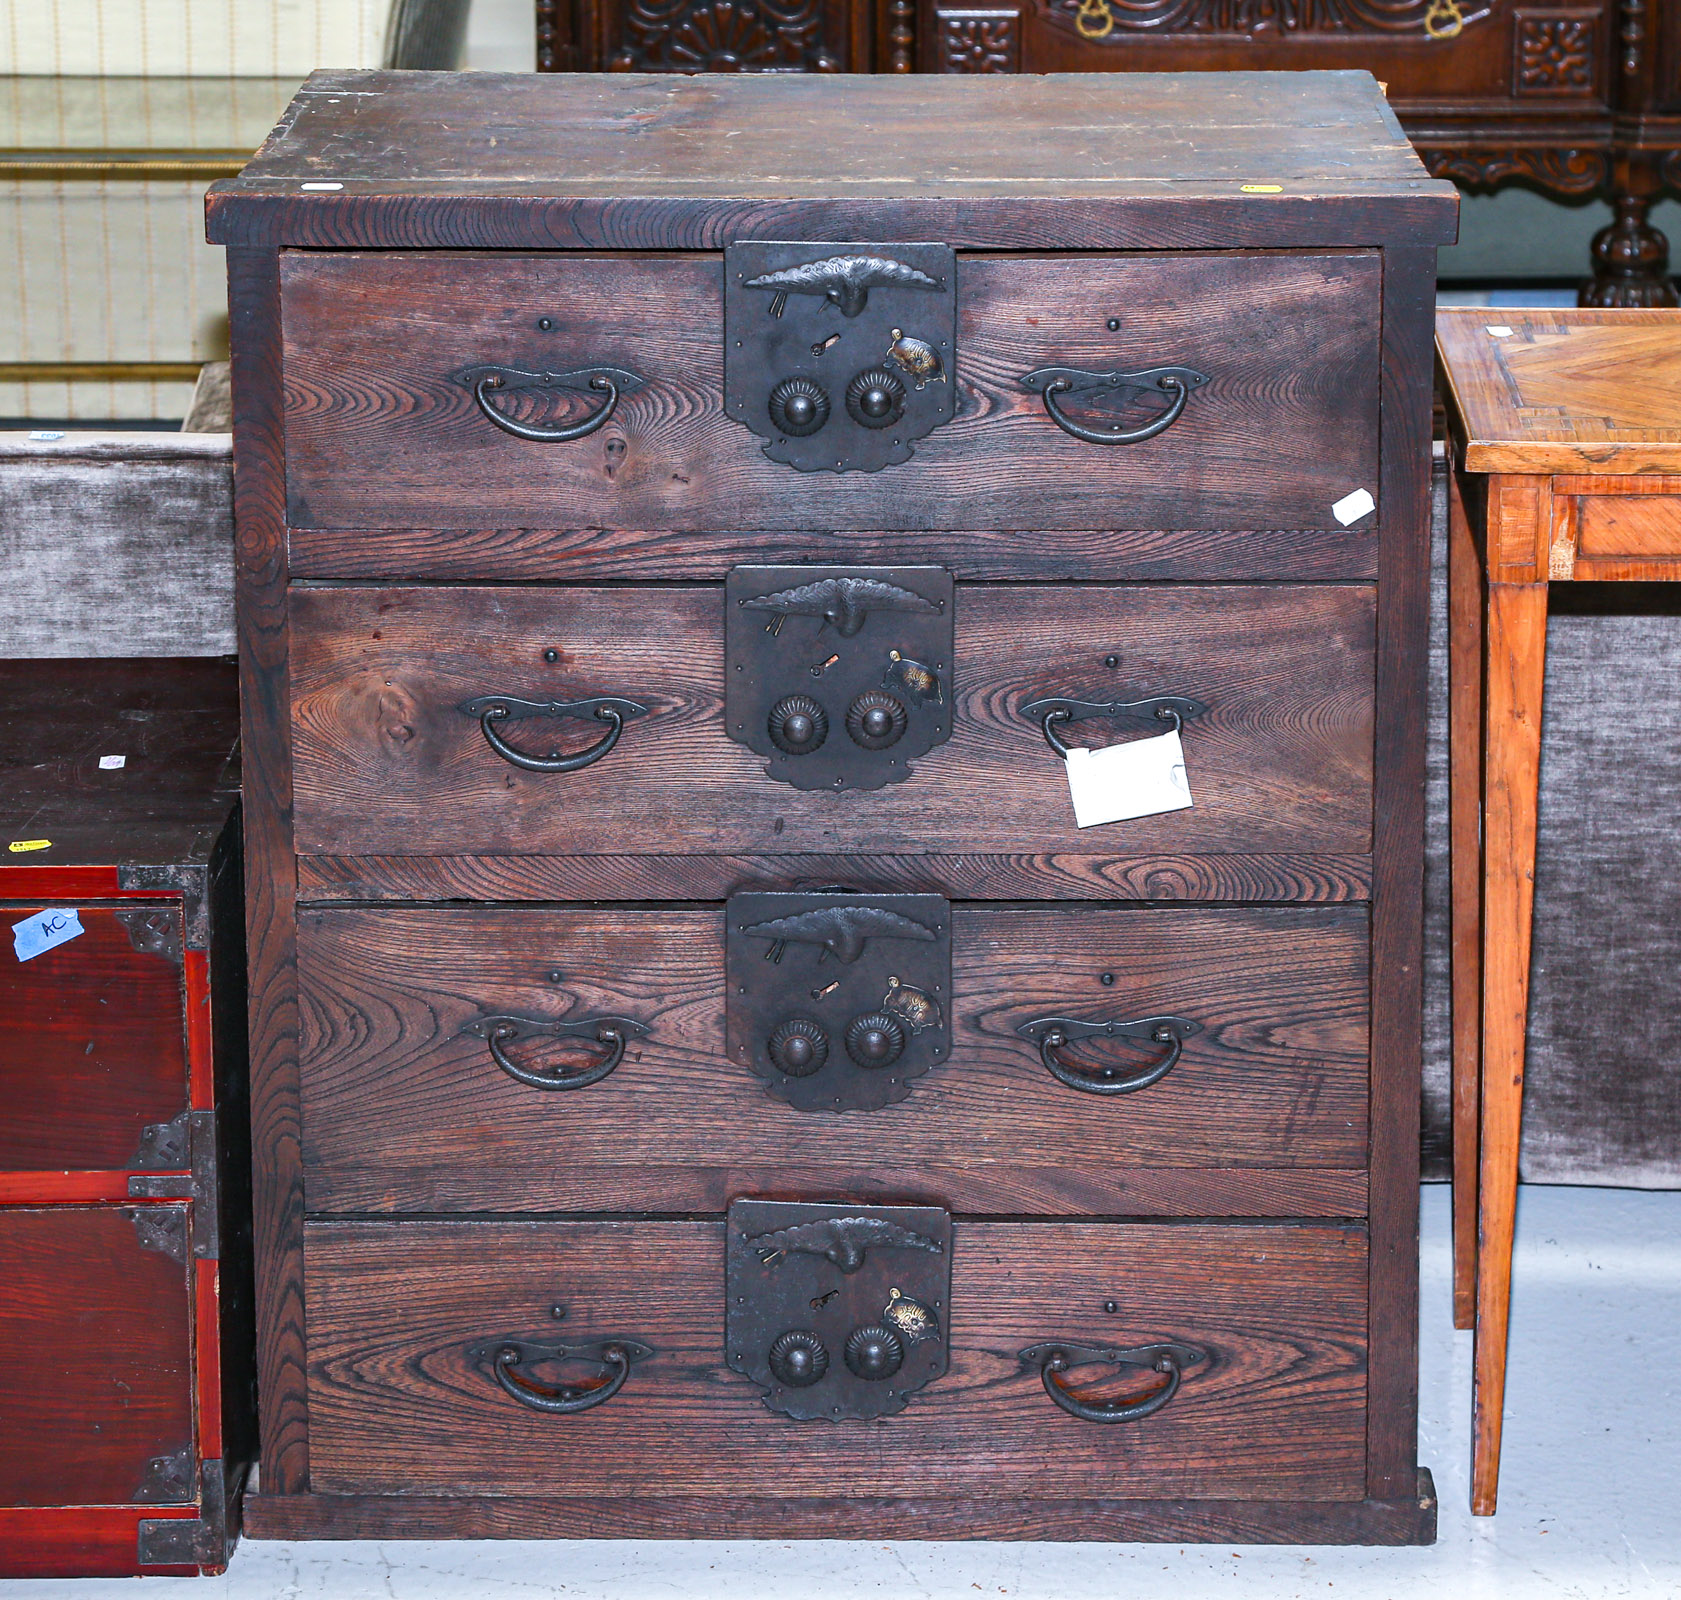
point(1554, 53)
point(723, 36)
point(978, 41)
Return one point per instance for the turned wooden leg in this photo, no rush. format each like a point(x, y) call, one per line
point(1631, 257)
point(1515, 660)
point(1465, 758)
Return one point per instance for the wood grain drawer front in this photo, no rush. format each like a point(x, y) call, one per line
point(94, 1049)
point(397, 1404)
point(385, 762)
point(1633, 527)
point(382, 433)
point(97, 1333)
point(405, 1110)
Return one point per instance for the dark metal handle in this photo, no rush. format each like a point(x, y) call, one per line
point(614, 1032)
point(610, 381)
point(563, 1399)
point(1049, 382)
point(1053, 1033)
point(1057, 1357)
point(614, 710)
point(1053, 710)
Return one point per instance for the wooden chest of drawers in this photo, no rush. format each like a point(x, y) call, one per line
point(705, 1083)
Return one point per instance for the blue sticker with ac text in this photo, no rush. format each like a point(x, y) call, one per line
point(44, 931)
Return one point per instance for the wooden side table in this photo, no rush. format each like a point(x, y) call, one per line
point(1565, 429)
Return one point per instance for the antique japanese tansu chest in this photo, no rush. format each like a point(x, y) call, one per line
point(699, 540)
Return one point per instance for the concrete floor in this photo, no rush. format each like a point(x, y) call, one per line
point(1590, 1501)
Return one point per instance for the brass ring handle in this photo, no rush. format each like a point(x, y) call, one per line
point(601, 382)
point(1050, 382)
point(495, 708)
point(1052, 1034)
point(616, 1355)
point(499, 1032)
point(1057, 1357)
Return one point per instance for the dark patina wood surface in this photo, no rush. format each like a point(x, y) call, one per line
point(396, 1404)
point(407, 1112)
point(382, 432)
point(1311, 764)
point(1281, 761)
point(1079, 162)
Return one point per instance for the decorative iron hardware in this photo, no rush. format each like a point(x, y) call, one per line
point(503, 1358)
point(1058, 1356)
point(1117, 389)
point(837, 1312)
point(1053, 1033)
point(608, 381)
point(499, 1032)
point(841, 357)
point(1054, 710)
point(839, 675)
point(189, 1142)
point(153, 933)
point(201, 1541)
point(837, 1001)
point(168, 1479)
point(491, 709)
point(162, 1229)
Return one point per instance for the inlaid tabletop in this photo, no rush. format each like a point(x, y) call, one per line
point(1541, 390)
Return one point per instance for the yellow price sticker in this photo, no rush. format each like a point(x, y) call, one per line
point(1263, 188)
point(19, 846)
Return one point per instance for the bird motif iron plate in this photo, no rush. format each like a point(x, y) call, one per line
point(840, 356)
point(837, 1001)
point(837, 1311)
point(839, 676)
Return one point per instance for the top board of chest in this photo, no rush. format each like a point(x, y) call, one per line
point(416, 160)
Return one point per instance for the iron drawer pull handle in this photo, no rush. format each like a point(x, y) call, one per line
point(1056, 1358)
point(1055, 1033)
point(499, 1032)
point(611, 709)
point(1054, 710)
point(565, 1399)
point(1049, 382)
point(601, 382)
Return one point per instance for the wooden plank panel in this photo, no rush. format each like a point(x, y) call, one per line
point(382, 433)
point(405, 1111)
point(385, 763)
point(97, 1332)
point(1640, 527)
point(94, 1048)
point(396, 1404)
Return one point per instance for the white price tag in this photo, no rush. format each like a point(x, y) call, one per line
point(1138, 779)
point(1498, 330)
point(1352, 507)
point(112, 763)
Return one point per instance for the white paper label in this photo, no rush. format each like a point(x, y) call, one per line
point(44, 435)
point(1352, 507)
point(46, 930)
point(319, 188)
point(1138, 779)
point(1498, 330)
point(112, 763)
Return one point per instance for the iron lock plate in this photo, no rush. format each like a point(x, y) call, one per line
point(840, 676)
point(840, 356)
point(837, 1312)
point(839, 1002)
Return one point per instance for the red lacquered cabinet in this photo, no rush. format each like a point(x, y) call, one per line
point(126, 1389)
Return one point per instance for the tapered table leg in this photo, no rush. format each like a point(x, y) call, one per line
point(1515, 659)
point(1465, 755)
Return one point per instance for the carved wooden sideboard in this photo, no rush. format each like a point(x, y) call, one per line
point(1575, 99)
